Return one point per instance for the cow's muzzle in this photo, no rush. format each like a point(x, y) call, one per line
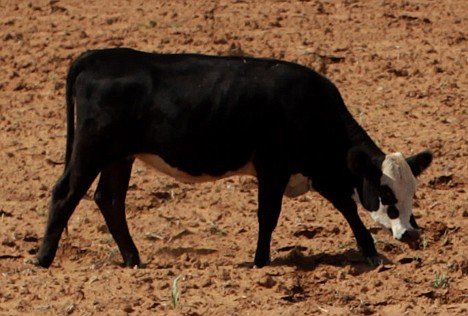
point(411, 237)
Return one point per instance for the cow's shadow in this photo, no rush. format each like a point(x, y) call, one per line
point(296, 258)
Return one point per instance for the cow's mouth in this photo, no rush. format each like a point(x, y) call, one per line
point(412, 237)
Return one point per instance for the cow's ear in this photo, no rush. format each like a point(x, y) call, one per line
point(419, 162)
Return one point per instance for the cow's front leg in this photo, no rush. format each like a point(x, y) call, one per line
point(270, 194)
point(110, 197)
point(361, 233)
point(346, 205)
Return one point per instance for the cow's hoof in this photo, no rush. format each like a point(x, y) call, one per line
point(132, 260)
point(42, 261)
point(261, 263)
point(259, 266)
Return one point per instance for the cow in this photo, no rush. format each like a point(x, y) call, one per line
point(201, 118)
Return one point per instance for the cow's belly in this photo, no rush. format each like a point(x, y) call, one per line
point(298, 184)
point(160, 165)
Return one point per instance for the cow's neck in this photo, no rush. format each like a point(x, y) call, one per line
point(359, 137)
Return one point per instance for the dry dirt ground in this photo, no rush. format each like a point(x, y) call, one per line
point(402, 69)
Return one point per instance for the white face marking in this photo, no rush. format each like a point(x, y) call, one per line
point(160, 165)
point(398, 177)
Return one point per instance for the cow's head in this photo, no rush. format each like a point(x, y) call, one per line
point(387, 189)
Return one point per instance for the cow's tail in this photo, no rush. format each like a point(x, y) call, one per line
point(75, 69)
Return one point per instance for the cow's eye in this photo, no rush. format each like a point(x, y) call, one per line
point(387, 197)
point(393, 212)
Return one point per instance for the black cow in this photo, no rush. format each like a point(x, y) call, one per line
point(200, 118)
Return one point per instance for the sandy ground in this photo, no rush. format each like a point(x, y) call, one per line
point(402, 69)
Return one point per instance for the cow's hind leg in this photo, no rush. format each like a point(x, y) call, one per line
point(66, 195)
point(271, 187)
point(110, 197)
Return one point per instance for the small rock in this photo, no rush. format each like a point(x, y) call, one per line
point(385, 267)
point(268, 282)
point(207, 283)
point(341, 275)
point(70, 309)
point(128, 309)
point(405, 259)
point(366, 310)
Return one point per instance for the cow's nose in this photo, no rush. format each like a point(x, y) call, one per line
point(411, 235)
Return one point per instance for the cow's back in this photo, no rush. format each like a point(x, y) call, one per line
point(208, 114)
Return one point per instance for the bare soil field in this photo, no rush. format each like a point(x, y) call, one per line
point(401, 67)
